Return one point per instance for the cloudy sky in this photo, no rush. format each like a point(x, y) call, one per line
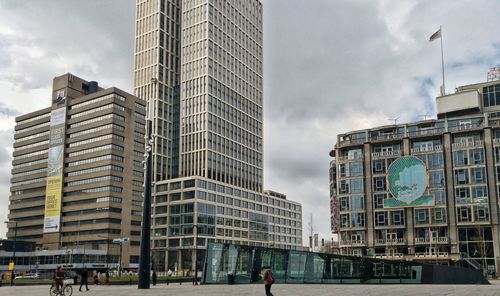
point(330, 67)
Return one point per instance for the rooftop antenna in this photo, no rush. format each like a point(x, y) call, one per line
point(395, 120)
point(425, 115)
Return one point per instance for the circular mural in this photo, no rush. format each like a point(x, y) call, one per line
point(407, 179)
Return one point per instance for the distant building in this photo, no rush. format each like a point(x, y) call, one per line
point(77, 174)
point(461, 154)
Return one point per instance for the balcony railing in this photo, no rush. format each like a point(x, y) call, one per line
point(386, 154)
point(395, 241)
point(465, 127)
point(350, 142)
point(349, 157)
point(426, 132)
point(389, 256)
point(389, 137)
point(467, 144)
point(432, 255)
point(427, 149)
point(352, 243)
point(496, 142)
point(425, 240)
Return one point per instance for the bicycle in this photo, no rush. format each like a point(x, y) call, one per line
point(65, 290)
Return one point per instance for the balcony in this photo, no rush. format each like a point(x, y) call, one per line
point(349, 158)
point(390, 242)
point(386, 154)
point(353, 243)
point(425, 240)
point(394, 256)
point(426, 132)
point(479, 144)
point(466, 127)
point(432, 255)
point(351, 142)
point(386, 138)
point(435, 148)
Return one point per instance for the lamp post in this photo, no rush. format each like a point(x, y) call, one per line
point(13, 252)
point(145, 258)
point(195, 230)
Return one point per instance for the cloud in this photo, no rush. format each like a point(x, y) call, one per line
point(330, 67)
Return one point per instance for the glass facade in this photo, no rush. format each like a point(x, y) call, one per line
point(229, 263)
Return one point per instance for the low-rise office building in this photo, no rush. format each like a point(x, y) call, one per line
point(461, 154)
point(77, 176)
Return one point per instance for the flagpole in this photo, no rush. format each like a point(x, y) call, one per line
point(443, 91)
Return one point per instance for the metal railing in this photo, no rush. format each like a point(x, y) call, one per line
point(471, 261)
point(427, 149)
point(426, 132)
point(467, 144)
point(386, 154)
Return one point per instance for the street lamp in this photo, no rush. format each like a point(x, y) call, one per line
point(195, 230)
point(145, 258)
point(14, 252)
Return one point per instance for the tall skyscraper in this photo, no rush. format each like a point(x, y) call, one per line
point(200, 62)
point(206, 84)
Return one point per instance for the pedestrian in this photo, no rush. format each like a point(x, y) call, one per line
point(107, 277)
point(84, 279)
point(95, 276)
point(169, 274)
point(154, 278)
point(268, 278)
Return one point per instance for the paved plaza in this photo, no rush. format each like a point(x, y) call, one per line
point(278, 290)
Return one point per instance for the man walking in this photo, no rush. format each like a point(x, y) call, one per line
point(84, 279)
point(268, 278)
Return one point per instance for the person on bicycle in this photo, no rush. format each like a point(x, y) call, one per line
point(58, 277)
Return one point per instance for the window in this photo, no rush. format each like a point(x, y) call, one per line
point(462, 176)
point(357, 203)
point(462, 195)
point(344, 187)
point(379, 184)
point(357, 185)
point(421, 216)
point(344, 220)
point(478, 175)
point(379, 166)
point(435, 161)
point(356, 169)
point(358, 219)
point(460, 158)
point(380, 218)
point(397, 218)
point(379, 200)
point(477, 156)
point(438, 215)
point(344, 203)
point(436, 179)
point(481, 213)
point(464, 214)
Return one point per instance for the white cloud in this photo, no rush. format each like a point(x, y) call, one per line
point(330, 67)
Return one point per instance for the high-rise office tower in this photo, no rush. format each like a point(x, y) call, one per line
point(200, 62)
point(77, 174)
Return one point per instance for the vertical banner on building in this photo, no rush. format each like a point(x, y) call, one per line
point(55, 166)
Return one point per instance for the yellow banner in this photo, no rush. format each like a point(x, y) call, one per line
point(11, 266)
point(53, 197)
